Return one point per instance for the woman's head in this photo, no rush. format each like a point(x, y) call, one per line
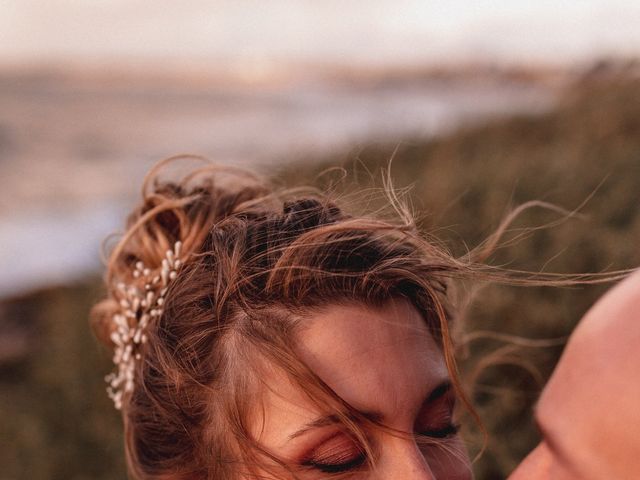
point(296, 340)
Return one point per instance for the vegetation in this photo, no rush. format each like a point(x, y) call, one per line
point(58, 422)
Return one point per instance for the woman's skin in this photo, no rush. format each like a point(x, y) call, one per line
point(385, 363)
point(589, 412)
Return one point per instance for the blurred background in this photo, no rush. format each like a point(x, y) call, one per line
point(482, 105)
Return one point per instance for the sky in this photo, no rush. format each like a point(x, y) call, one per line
point(348, 32)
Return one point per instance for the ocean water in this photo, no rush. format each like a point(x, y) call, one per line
point(73, 150)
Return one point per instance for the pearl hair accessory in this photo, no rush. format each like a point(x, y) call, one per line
point(138, 308)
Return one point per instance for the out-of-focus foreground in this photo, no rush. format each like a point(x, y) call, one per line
point(59, 423)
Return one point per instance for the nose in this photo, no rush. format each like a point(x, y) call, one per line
point(535, 466)
point(405, 461)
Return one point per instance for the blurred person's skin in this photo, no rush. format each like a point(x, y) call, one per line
point(589, 412)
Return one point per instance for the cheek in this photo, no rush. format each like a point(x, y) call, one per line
point(448, 459)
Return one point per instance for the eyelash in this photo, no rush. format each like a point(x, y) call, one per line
point(357, 461)
point(442, 433)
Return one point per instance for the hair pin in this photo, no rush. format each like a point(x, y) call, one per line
point(137, 308)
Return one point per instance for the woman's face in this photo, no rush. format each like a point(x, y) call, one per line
point(385, 363)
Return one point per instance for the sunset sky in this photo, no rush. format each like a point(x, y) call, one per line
point(369, 32)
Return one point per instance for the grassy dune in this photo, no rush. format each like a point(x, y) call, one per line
point(58, 423)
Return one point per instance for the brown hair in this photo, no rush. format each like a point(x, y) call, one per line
point(257, 261)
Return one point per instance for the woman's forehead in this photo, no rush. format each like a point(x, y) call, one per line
point(377, 359)
point(365, 353)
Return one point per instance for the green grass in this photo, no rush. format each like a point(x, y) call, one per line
point(59, 424)
point(57, 421)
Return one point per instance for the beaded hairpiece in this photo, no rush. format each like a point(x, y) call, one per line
point(137, 308)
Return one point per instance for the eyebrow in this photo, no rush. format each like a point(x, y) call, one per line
point(438, 392)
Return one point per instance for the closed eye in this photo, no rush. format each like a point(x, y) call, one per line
point(337, 454)
point(435, 419)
